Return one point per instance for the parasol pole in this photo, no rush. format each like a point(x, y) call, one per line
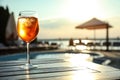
point(94, 38)
point(107, 38)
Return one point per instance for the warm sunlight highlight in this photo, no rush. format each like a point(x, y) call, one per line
point(82, 75)
point(27, 74)
point(82, 9)
point(76, 60)
point(79, 61)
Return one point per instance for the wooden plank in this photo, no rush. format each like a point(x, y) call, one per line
point(57, 69)
point(73, 75)
point(37, 61)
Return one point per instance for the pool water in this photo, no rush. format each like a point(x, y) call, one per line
point(44, 55)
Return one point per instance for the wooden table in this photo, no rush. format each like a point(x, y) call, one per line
point(57, 69)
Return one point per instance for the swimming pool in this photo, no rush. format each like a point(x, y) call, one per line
point(44, 55)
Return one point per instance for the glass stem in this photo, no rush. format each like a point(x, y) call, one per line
point(28, 53)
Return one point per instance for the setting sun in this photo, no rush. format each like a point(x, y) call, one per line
point(82, 9)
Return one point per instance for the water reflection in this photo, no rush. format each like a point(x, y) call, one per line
point(81, 47)
point(27, 74)
point(78, 59)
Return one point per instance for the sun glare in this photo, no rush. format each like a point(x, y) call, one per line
point(80, 75)
point(76, 60)
point(81, 9)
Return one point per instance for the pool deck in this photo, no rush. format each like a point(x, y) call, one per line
point(57, 69)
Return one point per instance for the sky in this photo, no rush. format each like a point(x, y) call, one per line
point(58, 18)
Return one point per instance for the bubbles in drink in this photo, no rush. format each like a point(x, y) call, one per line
point(27, 28)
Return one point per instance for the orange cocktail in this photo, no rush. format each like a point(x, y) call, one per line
point(27, 28)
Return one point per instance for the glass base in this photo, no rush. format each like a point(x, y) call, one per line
point(28, 66)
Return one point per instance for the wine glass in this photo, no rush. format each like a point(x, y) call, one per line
point(27, 28)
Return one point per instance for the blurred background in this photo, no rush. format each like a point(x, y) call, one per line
point(58, 19)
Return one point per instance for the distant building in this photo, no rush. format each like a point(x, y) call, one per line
point(8, 33)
